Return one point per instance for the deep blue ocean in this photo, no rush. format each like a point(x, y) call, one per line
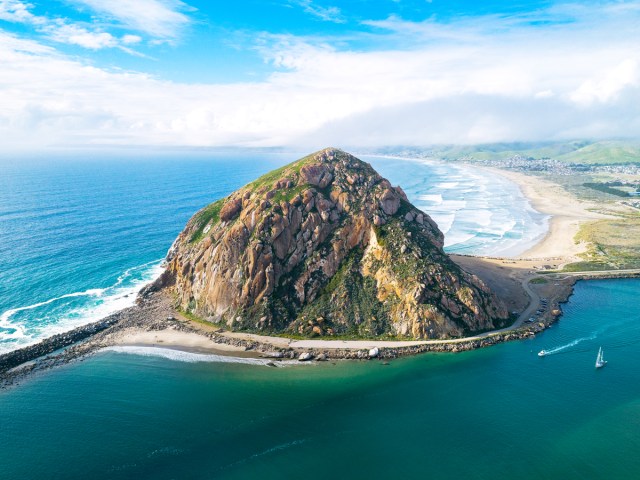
point(80, 235)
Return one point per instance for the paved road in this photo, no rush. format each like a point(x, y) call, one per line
point(534, 305)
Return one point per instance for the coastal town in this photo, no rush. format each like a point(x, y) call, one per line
point(550, 166)
point(518, 162)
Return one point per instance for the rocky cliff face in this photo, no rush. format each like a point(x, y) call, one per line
point(325, 246)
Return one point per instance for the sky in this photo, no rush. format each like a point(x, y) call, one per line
point(313, 73)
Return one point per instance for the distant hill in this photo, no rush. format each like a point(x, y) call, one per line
point(608, 152)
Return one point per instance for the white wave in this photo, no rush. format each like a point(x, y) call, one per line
point(453, 205)
point(480, 217)
point(447, 185)
point(501, 229)
point(93, 292)
point(458, 238)
point(7, 314)
point(434, 199)
point(443, 220)
point(107, 301)
point(480, 213)
point(128, 271)
point(192, 357)
point(17, 334)
point(527, 234)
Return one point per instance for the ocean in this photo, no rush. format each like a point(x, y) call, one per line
point(81, 235)
point(497, 413)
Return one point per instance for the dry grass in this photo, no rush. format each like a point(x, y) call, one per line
point(613, 243)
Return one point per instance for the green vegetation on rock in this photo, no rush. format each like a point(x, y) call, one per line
point(352, 300)
point(208, 215)
point(325, 246)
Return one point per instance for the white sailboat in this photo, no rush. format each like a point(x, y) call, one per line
point(600, 361)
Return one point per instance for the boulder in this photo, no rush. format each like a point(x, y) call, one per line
point(305, 357)
point(231, 209)
point(389, 202)
point(317, 175)
point(274, 354)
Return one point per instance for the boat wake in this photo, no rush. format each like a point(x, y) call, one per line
point(563, 348)
point(627, 341)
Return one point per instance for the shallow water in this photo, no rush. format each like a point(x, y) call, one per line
point(501, 412)
point(80, 236)
point(480, 213)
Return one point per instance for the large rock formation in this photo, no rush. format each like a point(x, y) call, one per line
point(325, 246)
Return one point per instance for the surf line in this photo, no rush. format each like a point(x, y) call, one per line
point(92, 292)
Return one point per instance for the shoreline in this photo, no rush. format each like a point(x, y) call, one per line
point(144, 325)
point(566, 214)
point(153, 322)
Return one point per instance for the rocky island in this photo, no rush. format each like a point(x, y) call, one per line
point(321, 247)
point(322, 258)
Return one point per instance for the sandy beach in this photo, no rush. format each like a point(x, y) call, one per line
point(510, 277)
point(172, 338)
point(566, 211)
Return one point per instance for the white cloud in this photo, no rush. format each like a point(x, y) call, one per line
point(328, 14)
point(12, 46)
point(75, 35)
point(161, 19)
point(521, 83)
point(473, 119)
point(131, 39)
point(16, 11)
point(62, 30)
point(607, 85)
point(50, 99)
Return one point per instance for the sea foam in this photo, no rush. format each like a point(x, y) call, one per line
point(193, 357)
point(479, 213)
point(66, 312)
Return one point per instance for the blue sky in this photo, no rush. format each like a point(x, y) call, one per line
point(314, 72)
point(214, 41)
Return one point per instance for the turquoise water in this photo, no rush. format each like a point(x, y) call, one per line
point(79, 236)
point(500, 412)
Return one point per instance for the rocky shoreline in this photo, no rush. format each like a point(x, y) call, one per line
point(154, 311)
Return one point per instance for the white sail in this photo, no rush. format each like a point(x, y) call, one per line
point(600, 361)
